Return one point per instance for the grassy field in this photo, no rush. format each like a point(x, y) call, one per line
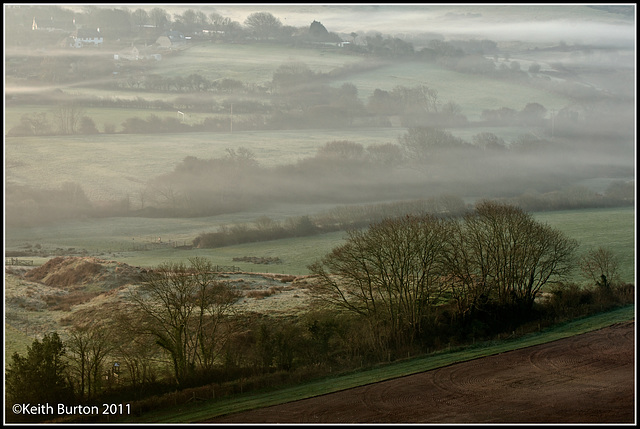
point(115, 238)
point(473, 93)
point(613, 229)
point(116, 165)
point(256, 64)
point(113, 166)
point(201, 411)
point(249, 63)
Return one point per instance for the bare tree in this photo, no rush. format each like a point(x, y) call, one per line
point(140, 17)
point(468, 267)
point(134, 351)
point(159, 18)
point(214, 301)
point(263, 25)
point(427, 147)
point(67, 118)
point(391, 273)
point(184, 308)
point(34, 124)
point(89, 345)
point(600, 266)
point(510, 255)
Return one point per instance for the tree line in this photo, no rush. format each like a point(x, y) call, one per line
point(402, 287)
point(469, 56)
point(340, 218)
point(304, 101)
point(295, 106)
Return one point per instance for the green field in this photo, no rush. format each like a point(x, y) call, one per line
point(115, 166)
point(115, 238)
point(249, 63)
point(256, 63)
point(473, 93)
point(610, 228)
point(112, 166)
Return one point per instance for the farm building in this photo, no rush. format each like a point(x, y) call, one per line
point(83, 37)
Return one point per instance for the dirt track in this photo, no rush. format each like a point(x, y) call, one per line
point(588, 378)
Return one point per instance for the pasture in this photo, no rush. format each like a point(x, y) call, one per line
point(135, 240)
point(610, 228)
point(115, 166)
point(474, 94)
point(255, 64)
point(250, 63)
point(111, 166)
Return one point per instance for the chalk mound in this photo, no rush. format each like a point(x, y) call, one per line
point(73, 271)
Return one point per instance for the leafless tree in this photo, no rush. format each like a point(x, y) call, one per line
point(34, 124)
point(184, 308)
point(140, 17)
point(67, 118)
point(263, 25)
point(391, 273)
point(89, 345)
point(600, 266)
point(510, 255)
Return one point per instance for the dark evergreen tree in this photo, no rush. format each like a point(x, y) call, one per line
point(40, 376)
point(317, 30)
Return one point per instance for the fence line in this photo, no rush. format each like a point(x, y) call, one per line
point(16, 261)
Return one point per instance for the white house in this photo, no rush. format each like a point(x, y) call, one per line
point(84, 37)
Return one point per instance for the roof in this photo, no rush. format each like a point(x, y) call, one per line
point(87, 33)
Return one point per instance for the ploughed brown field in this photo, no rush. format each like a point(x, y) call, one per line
point(588, 378)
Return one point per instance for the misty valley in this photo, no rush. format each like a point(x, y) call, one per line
point(228, 198)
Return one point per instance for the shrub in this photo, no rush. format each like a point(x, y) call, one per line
point(570, 299)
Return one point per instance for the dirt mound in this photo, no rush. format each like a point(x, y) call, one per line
point(72, 271)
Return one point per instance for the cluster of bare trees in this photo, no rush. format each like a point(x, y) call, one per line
point(399, 271)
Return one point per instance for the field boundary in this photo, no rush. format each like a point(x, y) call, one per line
point(18, 261)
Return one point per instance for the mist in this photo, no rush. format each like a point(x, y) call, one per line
point(574, 128)
point(502, 23)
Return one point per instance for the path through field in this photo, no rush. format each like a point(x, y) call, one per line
point(588, 378)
